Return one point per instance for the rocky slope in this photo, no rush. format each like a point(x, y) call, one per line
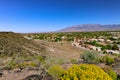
point(14, 43)
point(18, 53)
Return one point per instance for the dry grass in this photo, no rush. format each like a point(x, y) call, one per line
point(64, 51)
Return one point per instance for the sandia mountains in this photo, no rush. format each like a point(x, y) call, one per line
point(91, 27)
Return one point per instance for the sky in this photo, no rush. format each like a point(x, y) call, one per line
point(51, 15)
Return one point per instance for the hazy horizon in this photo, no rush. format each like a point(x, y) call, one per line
point(51, 15)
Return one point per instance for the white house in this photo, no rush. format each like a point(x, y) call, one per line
point(113, 51)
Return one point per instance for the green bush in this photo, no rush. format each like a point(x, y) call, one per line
point(50, 61)
point(73, 61)
point(107, 59)
point(110, 72)
point(115, 47)
point(90, 57)
point(85, 72)
point(55, 71)
point(41, 59)
point(12, 65)
point(103, 47)
point(22, 65)
point(32, 64)
point(109, 47)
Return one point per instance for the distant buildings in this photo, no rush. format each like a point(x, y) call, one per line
point(96, 45)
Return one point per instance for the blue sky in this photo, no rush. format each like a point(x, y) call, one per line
point(52, 15)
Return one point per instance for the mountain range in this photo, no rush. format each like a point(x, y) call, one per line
point(91, 27)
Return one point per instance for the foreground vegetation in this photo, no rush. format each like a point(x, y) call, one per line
point(85, 72)
point(50, 56)
point(104, 55)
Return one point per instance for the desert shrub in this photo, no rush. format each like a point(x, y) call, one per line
point(85, 72)
point(50, 61)
point(41, 59)
point(103, 47)
point(22, 65)
point(90, 57)
point(109, 47)
point(32, 64)
point(59, 61)
point(12, 65)
point(107, 59)
point(115, 47)
point(104, 52)
point(110, 72)
point(55, 71)
point(118, 55)
point(73, 61)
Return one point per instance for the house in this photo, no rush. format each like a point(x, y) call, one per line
point(29, 38)
point(98, 48)
point(109, 41)
point(116, 52)
point(109, 51)
point(94, 40)
point(101, 40)
point(115, 37)
point(119, 47)
point(75, 44)
point(112, 51)
point(91, 47)
point(63, 37)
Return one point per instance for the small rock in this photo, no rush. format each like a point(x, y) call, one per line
point(17, 70)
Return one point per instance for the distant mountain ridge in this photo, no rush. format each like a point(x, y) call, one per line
point(91, 27)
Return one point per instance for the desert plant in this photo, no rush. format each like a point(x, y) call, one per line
point(41, 59)
point(107, 59)
point(110, 72)
point(22, 65)
point(55, 71)
point(115, 47)
point(109, 47)
point(85, 72)
point(90, 57)
point(12, 65)
point(73, 61)
point(32, 64)
point(50, 61)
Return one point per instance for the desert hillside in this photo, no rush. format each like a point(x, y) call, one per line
point(18, 54)
point(27, 58)
point(14, 43)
